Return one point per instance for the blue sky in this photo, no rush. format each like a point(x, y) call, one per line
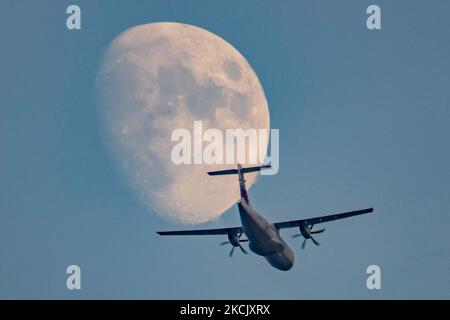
point(363, 118)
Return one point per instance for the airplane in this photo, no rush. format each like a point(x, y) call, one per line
point(264, 238)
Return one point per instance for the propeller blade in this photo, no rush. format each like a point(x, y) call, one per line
point(315, 242)
point(234, 245)
point(242, 249)
point(296, 236)
point(304, 244)
point(318, 231)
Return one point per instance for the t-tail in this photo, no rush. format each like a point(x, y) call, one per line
point(240, 172)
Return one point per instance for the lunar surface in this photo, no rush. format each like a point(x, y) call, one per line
point(158, 77)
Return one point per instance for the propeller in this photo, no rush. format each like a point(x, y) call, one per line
point(234, 240)
point(306, 232)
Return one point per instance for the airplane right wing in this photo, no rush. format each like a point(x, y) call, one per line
point(316, 220)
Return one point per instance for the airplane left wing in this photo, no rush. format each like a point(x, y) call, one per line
point(316, 220)
point(233, 230)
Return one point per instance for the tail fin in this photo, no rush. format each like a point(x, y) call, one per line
point(240, 172)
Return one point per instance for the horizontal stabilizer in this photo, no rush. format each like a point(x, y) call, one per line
point(235, 171)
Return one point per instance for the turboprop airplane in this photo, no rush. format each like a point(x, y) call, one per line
point(263, 237)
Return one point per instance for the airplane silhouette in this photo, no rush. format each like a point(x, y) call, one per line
point(263, 237)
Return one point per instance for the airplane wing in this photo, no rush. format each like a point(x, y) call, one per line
point(316, 220)
point(233, 230)
point(278, 225)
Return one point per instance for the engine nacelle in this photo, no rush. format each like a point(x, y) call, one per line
point(234, 239)
point(305, 231)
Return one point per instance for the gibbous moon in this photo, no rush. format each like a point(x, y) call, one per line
point(158, 77)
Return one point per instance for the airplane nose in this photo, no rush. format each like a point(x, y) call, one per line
point(286, 266)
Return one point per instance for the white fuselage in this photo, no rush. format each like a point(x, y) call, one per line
point(264, 238)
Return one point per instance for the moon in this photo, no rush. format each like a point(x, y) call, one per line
point(157, 77)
